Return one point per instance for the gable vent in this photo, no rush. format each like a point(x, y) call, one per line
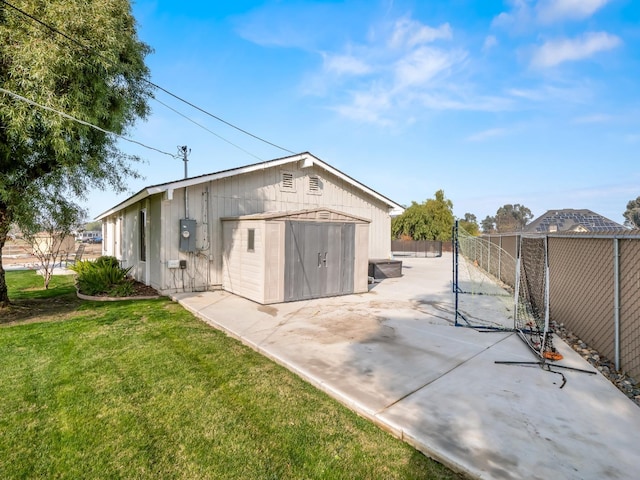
point(314, 184)
point(287, 181)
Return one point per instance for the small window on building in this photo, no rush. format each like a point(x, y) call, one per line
point(251, 240)
point(143, 236)
point(287, 182)
point(314, 185)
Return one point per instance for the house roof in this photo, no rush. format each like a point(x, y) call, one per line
point(570, 220)
point(307, 158)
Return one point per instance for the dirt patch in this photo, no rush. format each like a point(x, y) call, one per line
point(139, 290)
point(58, 308)
point(40, 310)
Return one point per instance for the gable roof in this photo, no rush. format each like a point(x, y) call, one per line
point(570, 220)
point(307, 158)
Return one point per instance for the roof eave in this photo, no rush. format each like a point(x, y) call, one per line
point(308, 158)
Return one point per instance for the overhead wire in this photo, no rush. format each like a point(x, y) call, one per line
point(154, 85)
point(82, 122)
point(205, 128)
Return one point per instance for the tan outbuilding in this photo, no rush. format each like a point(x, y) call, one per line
point(282, 230)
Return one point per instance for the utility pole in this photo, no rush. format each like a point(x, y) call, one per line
point(184, 151)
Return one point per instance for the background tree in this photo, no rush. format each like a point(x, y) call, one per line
point(93, 227)
point(488, 224)
point(632, 214)
point(42, 154)
point(431, 220)
point(50, 233)
point(512, 218)
point(470, 224)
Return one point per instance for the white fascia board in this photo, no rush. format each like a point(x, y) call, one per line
point(141, 195)
point(395, 209)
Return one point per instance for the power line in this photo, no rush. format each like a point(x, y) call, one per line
point(218, 118)
point(205, 128)
point(95, 52)
point(82, 122)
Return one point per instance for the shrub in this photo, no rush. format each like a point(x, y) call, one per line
point(104, 276)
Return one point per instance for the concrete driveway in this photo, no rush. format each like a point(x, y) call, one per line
point(394, 356)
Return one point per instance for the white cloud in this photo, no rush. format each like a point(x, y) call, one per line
point(525, 14)
point(489, 42)
point(549, 11)
point(485, 134)
point(555, 52)
point(422, 65)
point(385, 77)
point(368, 107)
point(632, 138)
point(448, 100)
point(409, 33)
point(346, 65)
point(576, 92)
point(594, 118)
point(518, 17)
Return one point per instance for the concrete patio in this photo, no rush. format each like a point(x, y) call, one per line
point(394, 356)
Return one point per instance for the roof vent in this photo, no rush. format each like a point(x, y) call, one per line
point(287, 181)
point(314, 184)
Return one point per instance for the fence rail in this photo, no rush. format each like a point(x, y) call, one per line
point(416, 248)
point(594, 289)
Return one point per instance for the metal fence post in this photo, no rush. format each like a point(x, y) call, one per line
point(616, 300)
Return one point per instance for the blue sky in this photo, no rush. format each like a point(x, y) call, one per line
point(535, 102)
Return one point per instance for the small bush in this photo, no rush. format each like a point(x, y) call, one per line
point(104, 276)
point(124, 289)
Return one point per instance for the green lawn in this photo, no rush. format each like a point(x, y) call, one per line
point(145, 390)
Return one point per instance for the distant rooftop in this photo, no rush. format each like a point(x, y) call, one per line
point(570, 220)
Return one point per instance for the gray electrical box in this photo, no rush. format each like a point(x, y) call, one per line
point(187, 235)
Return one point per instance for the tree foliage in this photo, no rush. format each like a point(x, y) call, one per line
point(470, 224)
point(632, 214)
point(431, 220)
point(512, 218)
point(44, 155)
point(488, 224)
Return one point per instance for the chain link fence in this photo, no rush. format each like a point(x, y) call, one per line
point(594, 288)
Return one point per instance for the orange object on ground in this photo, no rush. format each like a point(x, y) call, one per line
point(552, 355)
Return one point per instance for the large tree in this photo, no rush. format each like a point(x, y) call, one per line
point(470, 224)
point(632, 214)
point(82, 58)
point(512, 218)
point(488, 224)
point(430, 220)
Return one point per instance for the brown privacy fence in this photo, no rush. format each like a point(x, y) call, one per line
point(594, 287)
point(416, 248)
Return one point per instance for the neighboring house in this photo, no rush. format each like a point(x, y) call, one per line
point(282, 230)
point(46, 245)
point(570, 220)
point(88, 236)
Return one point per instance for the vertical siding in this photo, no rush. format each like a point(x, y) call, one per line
point(154, 241)
point(274, 262)
point(244, 270)
point(255, 192)
point(361, 264)
point(260, 191)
